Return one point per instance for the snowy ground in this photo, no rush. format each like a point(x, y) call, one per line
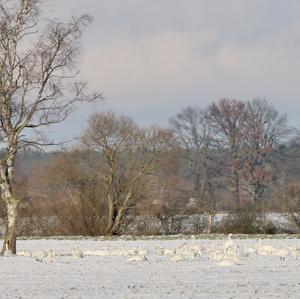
point(254, 276)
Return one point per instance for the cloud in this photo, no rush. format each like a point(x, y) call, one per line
point(155, 62)
point(159, 55)
point(173, 62)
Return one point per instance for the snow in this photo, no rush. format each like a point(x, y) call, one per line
point(254, 276)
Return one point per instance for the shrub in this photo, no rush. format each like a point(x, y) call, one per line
point(242, 220)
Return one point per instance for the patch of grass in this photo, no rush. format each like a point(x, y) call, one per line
point(166, 237)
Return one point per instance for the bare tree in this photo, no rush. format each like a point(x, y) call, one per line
point(38, 86)
point(168, 193)
point(264, 129)
point(196, 135)
point(129, 154)
point(228, 116)
point(65, 192)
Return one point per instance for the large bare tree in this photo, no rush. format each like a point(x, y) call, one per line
point(129, 155)
point(38, 86)
point(264, 129)
point(194, 132)
point(228, 115)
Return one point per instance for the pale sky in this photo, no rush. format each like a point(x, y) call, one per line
point(150, 58)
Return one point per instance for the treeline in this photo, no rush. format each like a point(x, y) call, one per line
point(237, 157)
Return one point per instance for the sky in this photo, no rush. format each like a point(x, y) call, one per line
point(151, 58)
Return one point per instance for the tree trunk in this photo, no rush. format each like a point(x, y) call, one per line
point(210, 223)
point(110, 215)
point(10, 227)
point(117, 221)
point(236, 187)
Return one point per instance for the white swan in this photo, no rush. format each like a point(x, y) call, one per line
point(248, 250)
point(228, 259)
point(141, 251)
point(181, 248)
point(168, 251)
point(99, 252)
point(177, 258)
point(132, 251)
point(50, 256)
point(265, 249)
point(295, 252)
point(40, 254)
point(118, 252)
point(283, 253)
point(159, 250)
point(137, 258)
point(226, 262)
point(163, 251)
point(215, 255)
point(24, 253)
point(196, 248)
point(76, 253)
point(227, 246)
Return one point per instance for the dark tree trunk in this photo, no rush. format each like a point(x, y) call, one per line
point(236, 187)
point(10, 227)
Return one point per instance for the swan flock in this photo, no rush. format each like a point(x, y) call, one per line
point(228, 252)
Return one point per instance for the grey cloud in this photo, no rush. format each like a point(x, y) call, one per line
point(159, 55)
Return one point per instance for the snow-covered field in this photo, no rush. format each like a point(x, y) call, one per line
point(252, 275)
